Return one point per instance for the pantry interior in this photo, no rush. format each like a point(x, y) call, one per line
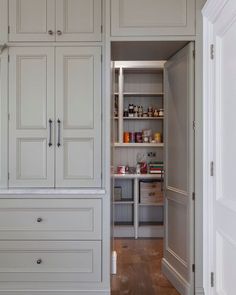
point(153, 147)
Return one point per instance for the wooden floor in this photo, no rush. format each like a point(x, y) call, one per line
point(139, 268)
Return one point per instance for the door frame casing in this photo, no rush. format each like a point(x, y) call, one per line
point(210, 13)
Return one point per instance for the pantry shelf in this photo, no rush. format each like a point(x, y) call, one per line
point(138, 176)
point(138, 144)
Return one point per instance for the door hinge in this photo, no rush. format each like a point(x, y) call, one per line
point(8, 57)
point(212, 168)
point(8, 175)
point(193, 196)
point(193, 267)
point(101, 29)
point(8, 29)
point(212, 279)
point(194, 53)
point(194, 125)
point(212, 51)
point(101, 58)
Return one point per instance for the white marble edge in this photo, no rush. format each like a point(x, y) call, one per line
point(54, 193)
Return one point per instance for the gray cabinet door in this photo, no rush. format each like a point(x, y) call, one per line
point(31, 106)
point(152, 17)
point(78, 20)
point(31, 20)
point(78, 111)
point(179, 167)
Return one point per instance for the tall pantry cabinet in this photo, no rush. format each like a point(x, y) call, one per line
point(55, 117)
point(51, 204)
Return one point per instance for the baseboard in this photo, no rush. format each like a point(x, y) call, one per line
point(97, 292)
point(199, 291)
point(175, 278)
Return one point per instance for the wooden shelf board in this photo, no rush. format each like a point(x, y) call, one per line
point(138, 144)
point(152, 204)
point(151, 223)
point(123, 223)
point(142, 118)
point(128, 202)
point(139, 176)
point(143, 94)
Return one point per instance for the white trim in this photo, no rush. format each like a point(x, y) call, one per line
point(4, 119)
point(175, 278)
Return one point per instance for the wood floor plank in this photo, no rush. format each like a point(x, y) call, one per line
point(139, 268)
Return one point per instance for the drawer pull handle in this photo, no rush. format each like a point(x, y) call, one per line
point(39, 261)
point(39, 219)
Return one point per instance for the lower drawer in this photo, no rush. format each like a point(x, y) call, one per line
point(41, 261)
point(50, 219)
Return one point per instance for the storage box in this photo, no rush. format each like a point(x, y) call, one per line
point(150, 191)
point(117, 193)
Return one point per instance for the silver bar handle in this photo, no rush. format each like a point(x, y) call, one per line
point(59, 133)
point(3, 47)
point(50, 133)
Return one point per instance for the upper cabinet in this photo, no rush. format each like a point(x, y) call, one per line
point(152, 17)
point(50, 20)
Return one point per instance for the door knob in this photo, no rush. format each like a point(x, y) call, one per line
point(59, 33)
point(39, 261)
point(39, 219)
point(50, 32)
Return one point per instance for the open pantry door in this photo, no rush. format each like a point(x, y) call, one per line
point(178, 258)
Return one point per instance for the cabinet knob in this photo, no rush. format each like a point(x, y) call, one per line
point(39, 219)
point(50, 32)
point(59, 32)
point(39, 261)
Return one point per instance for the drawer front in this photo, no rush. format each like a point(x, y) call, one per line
point(78, 219)
point(38, 261)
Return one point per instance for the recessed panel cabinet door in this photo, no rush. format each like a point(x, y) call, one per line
point(31, 20)
point(78, 20)
point(152, 17)
point(31, 106)
point(78, 109)
point(179, 167)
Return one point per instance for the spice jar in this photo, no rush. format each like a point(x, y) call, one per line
point(126, 137)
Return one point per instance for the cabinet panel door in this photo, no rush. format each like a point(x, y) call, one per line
point(78, 20)
point(78, 107)
point(152, 17)
point(31, 20)
point(31, 105)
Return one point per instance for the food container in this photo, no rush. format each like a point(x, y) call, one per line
point(157, 137)
point(161, 113)
point(121, 169)
point(132, 137)
point(138, 137)
point(126, 138)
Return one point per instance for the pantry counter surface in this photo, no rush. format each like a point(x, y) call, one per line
point(50, 193)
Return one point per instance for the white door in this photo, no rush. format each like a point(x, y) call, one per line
point(78, 111)
point(220, 118)
point(31, 20)
point(179, 167)
point(78, 20)
point(31, 107)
